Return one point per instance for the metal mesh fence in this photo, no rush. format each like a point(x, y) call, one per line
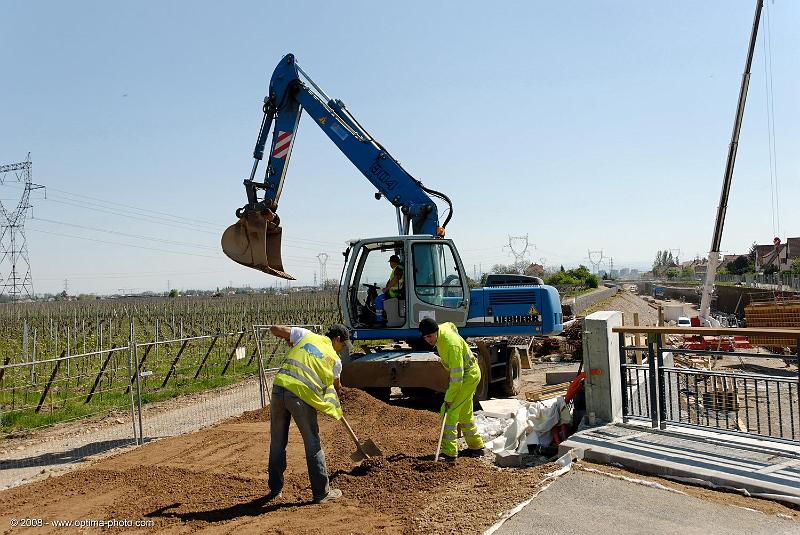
point(182, 384)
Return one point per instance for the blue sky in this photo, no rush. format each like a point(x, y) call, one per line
point(586, 125)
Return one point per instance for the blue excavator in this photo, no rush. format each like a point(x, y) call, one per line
point(433, 282)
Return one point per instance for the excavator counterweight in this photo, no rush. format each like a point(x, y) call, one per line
point(255, 241)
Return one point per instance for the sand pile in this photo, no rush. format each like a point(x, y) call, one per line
point(216, 479)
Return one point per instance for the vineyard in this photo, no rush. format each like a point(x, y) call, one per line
point(66, 360)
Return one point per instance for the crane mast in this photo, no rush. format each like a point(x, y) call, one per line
point(714, 258)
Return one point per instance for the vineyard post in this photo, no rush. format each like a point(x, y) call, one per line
point(33, 360)
point(138, 373)
point(25, 340)
point(158, 360)
point(130, 381)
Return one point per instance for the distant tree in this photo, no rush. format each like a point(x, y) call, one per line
point(794, 269)
point(173, 293)
point(752, 254)
point(770, 269)
point(562, 268)
point(687, 273)
point(561, 278)
point(672, 272)
point(504, 268)
point(740, 266)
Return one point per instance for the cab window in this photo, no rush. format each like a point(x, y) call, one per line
point(436, 277)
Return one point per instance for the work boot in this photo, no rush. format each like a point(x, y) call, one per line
point(273, 495)
point(445, 458)
point(469, 452)
point(333, 494)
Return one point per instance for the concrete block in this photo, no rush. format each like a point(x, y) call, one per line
point(601, 358)
point(507, 459)
point(501, 408)
point(556, 378)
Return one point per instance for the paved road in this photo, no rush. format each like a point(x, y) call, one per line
point(582, 502)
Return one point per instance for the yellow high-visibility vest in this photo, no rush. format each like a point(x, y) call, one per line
point(307, 372)
point(397, 290)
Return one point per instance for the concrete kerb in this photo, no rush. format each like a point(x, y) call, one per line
point(665, 460)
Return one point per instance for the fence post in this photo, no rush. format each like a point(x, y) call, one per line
point(652, 380)
point(662, 397)
point(130, 381)
point(623, 375)
point(137, 367)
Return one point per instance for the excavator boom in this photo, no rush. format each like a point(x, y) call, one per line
point(255, 239)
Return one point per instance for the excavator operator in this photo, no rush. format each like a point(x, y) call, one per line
point(393, 288)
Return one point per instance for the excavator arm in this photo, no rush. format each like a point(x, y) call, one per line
point(254, 240)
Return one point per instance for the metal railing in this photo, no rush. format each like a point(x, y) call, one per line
point(750, 397)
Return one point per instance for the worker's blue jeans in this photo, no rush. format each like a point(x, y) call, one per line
point(284, 405)
point(379, 314)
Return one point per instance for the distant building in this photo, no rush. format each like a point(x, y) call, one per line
point(728, 258)
point(700, 266)
point(779, 255)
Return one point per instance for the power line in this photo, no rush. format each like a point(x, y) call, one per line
point(595, 263)
point(170, 220)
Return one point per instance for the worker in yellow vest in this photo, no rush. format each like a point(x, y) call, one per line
point(465, 374)
point(307, 383)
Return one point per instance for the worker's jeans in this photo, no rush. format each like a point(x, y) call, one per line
point(284, 405)
point(379, 314)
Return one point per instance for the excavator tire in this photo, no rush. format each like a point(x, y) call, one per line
point(482, 392)
point(512, 384)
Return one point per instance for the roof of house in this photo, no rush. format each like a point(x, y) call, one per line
point(794, 247)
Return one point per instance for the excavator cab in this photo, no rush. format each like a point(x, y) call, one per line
point(433, 285)
point(255, 241)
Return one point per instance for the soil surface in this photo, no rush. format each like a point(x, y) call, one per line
point(215, 480)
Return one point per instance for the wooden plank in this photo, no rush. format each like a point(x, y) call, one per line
point(50, 382)
point(547, 392)
point(638, 340)
point(210, 347)
point(100, 374)
point(174, 362)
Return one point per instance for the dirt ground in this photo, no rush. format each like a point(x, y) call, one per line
point(215, 480)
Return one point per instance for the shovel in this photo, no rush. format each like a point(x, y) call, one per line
point(439, 444)
point(365, 450)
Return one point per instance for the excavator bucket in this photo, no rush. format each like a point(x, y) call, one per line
point(255, 242)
